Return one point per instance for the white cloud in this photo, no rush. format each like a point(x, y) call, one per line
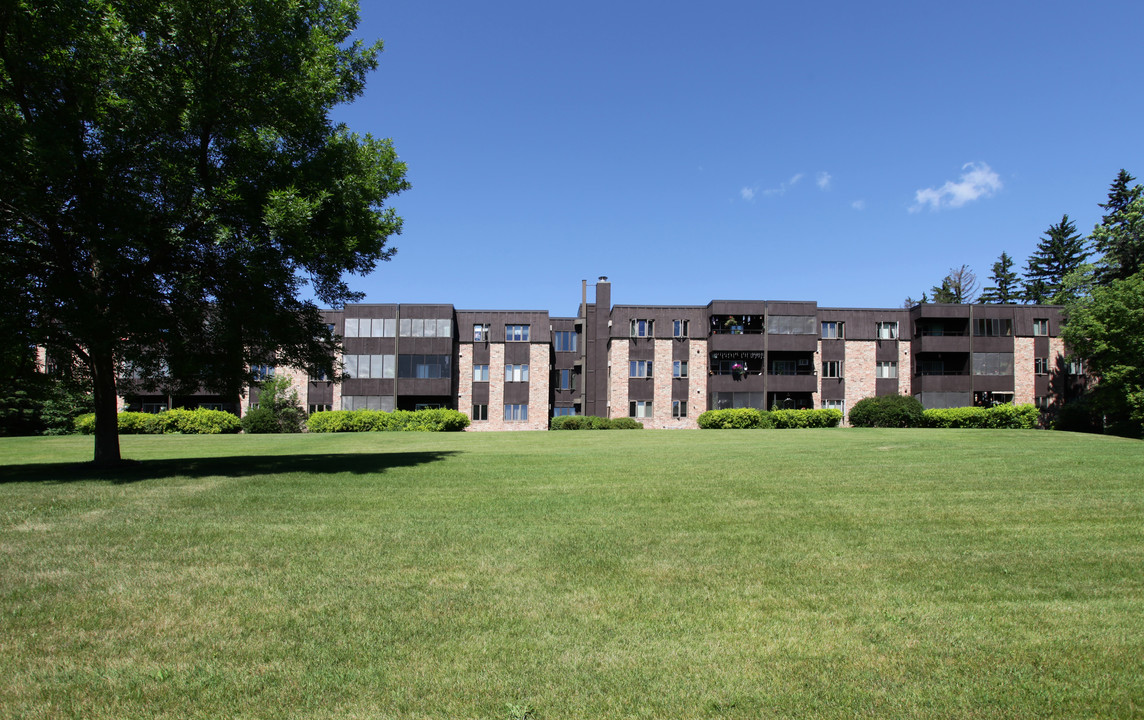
point(858, 204)
point(748, 194)
point(977, 181)
point(784, 186)
point(823, 180)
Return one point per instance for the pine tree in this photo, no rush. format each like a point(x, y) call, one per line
point(1004, 289)
point(1120, 234)
point(958, 287)
point(1061, 251)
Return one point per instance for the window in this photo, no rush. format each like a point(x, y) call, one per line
point(424, 366)
point(426, 327)
point(832, 330)
point(480, 333)
point(561, 411)
point(887, 330)
point(839, 405)
point(679, 408)
point(1076, 367)
point(679, 368)
point(564, 381)
point(516, 373)
point(726, 400)
point(992, 327)
point(784, 367)
point(153, 408)
point(791, 324)
point(832, 368)
point(320, 376)
point(639, 409)
point(639, 368)
point(642, 328)
point(1041, 326)
point(564, 341)
point(367, 402)
point(992, 363)
point(515, 413)
point(679, 328)
point(320, 408)
point(1041, 366)
point(480, 412)
point(1042, 401)
point(378, 327)
point(262, 372)
point(515, 333)
point(480, 373)
point(369, 366)
point(886, 369)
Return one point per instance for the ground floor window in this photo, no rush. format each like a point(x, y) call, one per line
point(679, 408)
point(560, 411)
point(318, 407)
point(515, 413)
point(480, 412)
point(839, 405)
point(639, 409)
point(367, 402)
point(1043, 401)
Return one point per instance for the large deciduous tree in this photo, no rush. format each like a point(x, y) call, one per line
point(171, 178)
point(1004, 289)
point(959, 286)
point(1060, 252)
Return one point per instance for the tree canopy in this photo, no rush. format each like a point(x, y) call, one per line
point(959, 286)
point(1060, 252)
point(1004, 289)
point(172, 179)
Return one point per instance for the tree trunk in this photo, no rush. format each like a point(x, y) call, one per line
point(106, 407)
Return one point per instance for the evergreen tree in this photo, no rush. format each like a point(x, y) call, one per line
point(1120, 234)
point(1061, 251)
point(1004, 289)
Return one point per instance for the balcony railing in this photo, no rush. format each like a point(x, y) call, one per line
point(922, 372)
point(940, 332)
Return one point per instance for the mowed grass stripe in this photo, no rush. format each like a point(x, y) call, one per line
point(833, 573)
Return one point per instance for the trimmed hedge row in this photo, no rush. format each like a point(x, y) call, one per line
point(188, 422)
point(440, 420)
point(752, 419)
point(887, 411)
point(591, 422)
point(998, 417)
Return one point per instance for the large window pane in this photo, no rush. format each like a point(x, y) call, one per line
point(351, 327)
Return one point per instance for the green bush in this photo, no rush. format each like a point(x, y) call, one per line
point(439, 420)
point(998, 417)
point(592, 422)
point(259, 421)
point(197, 422)
point(887, 411)
point(822, 418)
point(1079, 415)
point(625, 423)
point(734, 419)
point(130, 423)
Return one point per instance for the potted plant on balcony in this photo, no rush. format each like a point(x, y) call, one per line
point(733, 326)
point(739, 371)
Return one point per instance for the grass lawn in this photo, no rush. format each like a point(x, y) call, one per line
point(658, 574)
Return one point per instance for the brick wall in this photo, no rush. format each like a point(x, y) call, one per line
point(539, 376)
point(905, 368)
point(816, 396)
point(465, 384)
point(618, 377)
point(1024, 378)
point(859, 369)
point(697, 383)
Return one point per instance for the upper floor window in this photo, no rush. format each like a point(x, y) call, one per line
point(642, 328)
point(1041, 326)
point(679, 328)
point(480, 373)
point(833, 330)
point(990, 363)
point(426, 327)
point(565, 379)
point(832, 368)
point(992, 327)
point(1041, 366)
point(639, 368)
point(1076, 367)
point(516, 333)
point(886, 369)
point(679, 368)
point(262, 372)
point(424, 366)
point(791, 324)
point(516, 373)
point(564, 341)
point(367, 327)
point(887, 330)
point(368, 366)
point(480, 333)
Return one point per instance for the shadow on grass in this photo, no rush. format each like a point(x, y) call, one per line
point(131, 471)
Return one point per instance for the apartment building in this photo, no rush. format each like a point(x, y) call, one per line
point(665, 365)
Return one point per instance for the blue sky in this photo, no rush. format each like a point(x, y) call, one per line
point(849, 153)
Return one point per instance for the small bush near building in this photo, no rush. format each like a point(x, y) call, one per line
point(260, 421)
point(752, 419)
point(197, 422)
point(440, 420)
point(591, 422)
point(998, 417)
point(887, 411)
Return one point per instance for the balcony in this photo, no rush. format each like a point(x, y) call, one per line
point(801, 382)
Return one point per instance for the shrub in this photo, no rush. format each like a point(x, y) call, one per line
point(260, 420)
point(823, 418)
point(998, 417)
point(1079, 415)
point(625, 423)
point(592, 422)
point(197, 422)
point(887, 411)
point(129, 423)
point(85, 424)
point(734, 419)
point(439, 420)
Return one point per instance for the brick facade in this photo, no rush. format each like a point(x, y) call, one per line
point(465, 384)
point(618, 377)
point(859, 369)
point(1024, 381)
point(905, 369)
